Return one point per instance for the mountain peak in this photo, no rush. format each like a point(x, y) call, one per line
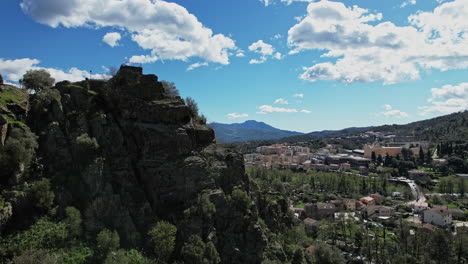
point(248, 130)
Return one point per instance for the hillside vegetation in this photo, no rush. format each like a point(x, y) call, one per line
point(452, 128)
point(121, 171)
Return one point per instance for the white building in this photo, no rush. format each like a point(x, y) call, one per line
point(438, 216)
point(420, 207)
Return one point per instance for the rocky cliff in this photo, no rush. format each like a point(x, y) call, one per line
point(126, 155)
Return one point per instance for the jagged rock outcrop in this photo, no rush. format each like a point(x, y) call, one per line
point(126, 155)
point(3, 129)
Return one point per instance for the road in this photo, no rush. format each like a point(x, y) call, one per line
point(415, 190)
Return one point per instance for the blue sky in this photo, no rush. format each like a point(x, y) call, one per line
point(297, 65)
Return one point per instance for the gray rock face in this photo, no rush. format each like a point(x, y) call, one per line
point(3, 129)
point(126, 156)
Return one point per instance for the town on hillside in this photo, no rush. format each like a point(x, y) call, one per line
point(391, 182)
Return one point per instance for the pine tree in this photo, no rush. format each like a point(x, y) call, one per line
point(428, 157)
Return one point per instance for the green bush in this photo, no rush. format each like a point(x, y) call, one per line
point(37, 80)
point(44, 234)
point(162, 237)
point(241, 199)
point(86, 144)
point(205, 206)
point(79, 254)
point(325, 254)
point(195, 251)
point(86, 149)
point(73, 221)
point(30, 256)
point(20, 148)
point(42, 100)
point(192, 251)
point(298, 257)
point(122, 256)
point(211, 254)
point(107, 241)
point(42, 194)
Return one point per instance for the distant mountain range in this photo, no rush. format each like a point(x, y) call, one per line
point(452, 127)
point(248, 131)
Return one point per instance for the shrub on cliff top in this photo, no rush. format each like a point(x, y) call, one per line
point(37, 80)
point(170, 90)
point(192, 105)
point(193, 108)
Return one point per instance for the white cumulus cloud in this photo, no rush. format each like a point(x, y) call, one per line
point(236, 115)
point(299, 95)
point(143, 59)
point(166, 29)
point(265, 50)
point(281, 101)
point(447, 99)
point(13, 71)
point(387, 107)
point(288, 2)
point(392, 113)
point(196, 65)
point(265, 109)
point(262, 48)
point(112, 39)
point(359, 48)
point(408, 2)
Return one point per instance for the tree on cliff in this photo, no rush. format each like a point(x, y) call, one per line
point(37, 80)
point(195, 251)
point(162, 237)
point(1, 79)
point(170, 90)
point(107, 241)
point(192, 105)
point(193, 108)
